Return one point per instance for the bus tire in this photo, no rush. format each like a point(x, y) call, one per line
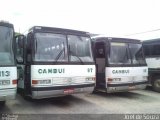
point(156, 84)
point(28, 98)
point(2, 103)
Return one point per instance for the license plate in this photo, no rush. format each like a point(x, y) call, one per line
point(68, 91)
point(4, 82)
point(131, 87)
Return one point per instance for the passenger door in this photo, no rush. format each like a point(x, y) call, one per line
point(100, 65)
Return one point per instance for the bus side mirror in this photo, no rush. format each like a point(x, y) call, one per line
point(20, 48)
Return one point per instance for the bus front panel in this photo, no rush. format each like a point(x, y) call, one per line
point(59, 80)
point(126, 78)
point(8, 83)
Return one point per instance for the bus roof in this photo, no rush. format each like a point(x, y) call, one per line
point(157, 40)
point(57, 30)
point(6, 24)
point(116, 39)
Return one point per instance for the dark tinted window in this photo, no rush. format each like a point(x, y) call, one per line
point(100, 51)
point(152, 50)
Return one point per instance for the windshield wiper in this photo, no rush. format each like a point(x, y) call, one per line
point(60, 53)
point(70, 52)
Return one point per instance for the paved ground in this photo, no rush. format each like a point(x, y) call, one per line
point(140, 102)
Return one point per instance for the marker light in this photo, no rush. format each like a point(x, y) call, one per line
point(14, 82)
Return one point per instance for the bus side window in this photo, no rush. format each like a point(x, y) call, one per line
point(156, 50)
point(147, 50)
point(152, 50)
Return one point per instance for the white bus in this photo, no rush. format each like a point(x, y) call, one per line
point(120, 64)
point(152, 54)
point(8, 70)
point(54, 62)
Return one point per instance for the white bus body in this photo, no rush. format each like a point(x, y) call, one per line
point(8, 70)
point(152, 55)
point(59, 62)
point(120, 64)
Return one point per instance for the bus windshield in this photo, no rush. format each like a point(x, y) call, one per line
point(126, 53)
point(6, 51)
point(80, 48)
point(53, 47)
point(119, 53)
point(50, 47)
point(137, 55)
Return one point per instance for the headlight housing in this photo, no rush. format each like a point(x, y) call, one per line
point(46, 82)
point(109, 80)
point(88, 79)
point(116, 79)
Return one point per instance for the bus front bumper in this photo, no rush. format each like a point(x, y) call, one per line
point(126, 87)
point(56, 91)
point(9, 93)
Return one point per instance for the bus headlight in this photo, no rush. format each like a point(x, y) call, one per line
point(44, 82)
point(116, 79)
point(109, 80)
point(90, 79)
point(41, 81)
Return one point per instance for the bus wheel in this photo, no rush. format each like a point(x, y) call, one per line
point(156, 84)
point(2, 103)
point(28, 98)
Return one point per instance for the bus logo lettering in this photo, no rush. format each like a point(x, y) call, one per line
point(51, 71)
point(120, 71)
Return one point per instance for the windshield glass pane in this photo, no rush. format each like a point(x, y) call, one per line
point(136, 53)
point(6, 51)
point(119, 53)
point(80, 48)
point(50, 47)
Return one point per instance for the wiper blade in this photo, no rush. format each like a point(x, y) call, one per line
point(71, 53)
point(60, 53)
point(77, 57)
